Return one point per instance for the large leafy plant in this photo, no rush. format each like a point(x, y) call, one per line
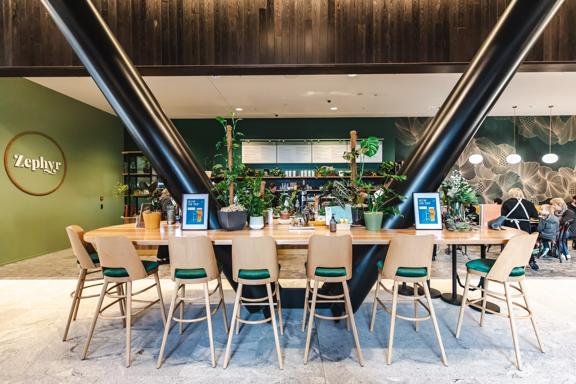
point(456, 190)
point(253, 197)
point(228, 159)
point(368, 147)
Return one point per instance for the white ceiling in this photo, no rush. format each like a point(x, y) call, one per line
point(307, 95)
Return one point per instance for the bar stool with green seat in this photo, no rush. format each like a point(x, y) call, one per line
point(192, 261)
point(408, 260)
point(508, 268)
point(255, 262)
point(89, 264)
point(122, 265)
point(329, 261)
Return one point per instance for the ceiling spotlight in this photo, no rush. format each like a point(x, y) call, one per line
point(239, 109)
point(476, 158)
point(352, 75)
point(333, 108)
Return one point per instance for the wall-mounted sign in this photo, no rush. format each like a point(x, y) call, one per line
point(35, 163)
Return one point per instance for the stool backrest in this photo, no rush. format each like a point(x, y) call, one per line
point(254, 253)
point(516, 253)
point(329, 252)
point(119, 252)
point(408, 251)
point(76, 236)
point(195, 252)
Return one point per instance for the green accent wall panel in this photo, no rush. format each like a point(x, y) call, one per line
point(92, 141)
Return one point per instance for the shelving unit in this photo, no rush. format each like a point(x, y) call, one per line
point(137, 170)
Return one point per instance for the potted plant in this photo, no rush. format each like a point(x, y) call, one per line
point(381, 202)
point(121, 190)
point(153, 216)
point(232, 216)
point(256, 198)
point(456, 193)
point(368, 147)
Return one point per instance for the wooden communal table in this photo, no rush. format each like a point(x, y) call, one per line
point(284, 236)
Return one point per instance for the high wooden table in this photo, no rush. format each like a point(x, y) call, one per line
point(284, 236)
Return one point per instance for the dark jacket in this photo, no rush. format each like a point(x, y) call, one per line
point(518, 213)
point(568, 217)
point(548, 227)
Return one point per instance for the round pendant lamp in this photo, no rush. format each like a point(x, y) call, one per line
point(514, 158)
point(476, 158)
point(550, 158)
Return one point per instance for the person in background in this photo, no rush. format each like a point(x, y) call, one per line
point(572, 206)
point(547, 227)
point(518, 212)
point(498, 201)
point(274, 189)
point(567, 226)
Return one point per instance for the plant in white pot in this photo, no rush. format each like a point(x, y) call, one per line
point(233, 215)
point(256, 198)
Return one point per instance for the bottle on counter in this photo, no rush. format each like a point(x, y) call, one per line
point(333, 224)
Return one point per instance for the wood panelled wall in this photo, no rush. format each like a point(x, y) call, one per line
point(236, 32)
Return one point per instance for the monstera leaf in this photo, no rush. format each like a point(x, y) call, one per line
point(369, 146)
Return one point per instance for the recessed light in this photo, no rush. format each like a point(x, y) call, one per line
point(215, 76)
point(352, 75)
point(333, 108)
point(239, 109)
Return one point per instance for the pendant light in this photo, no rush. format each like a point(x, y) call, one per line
point(514, 158)
point(476, 158)
point(550, 158)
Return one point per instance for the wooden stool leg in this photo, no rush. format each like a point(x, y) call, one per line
point(75, 302)
point(224, 314)
point(484, 298)
point(182, 303)
point(375, 304)
point(81, 290)
point(513, 326)
point(209, 321)
point(435, 323)
point(392, 322)
point(167, 325)
point(128, 323)
point(231, 333)
point(350, 314)
point(94, 319)
point(311, 321)
point(463, 305)
point(279, 306)
point(159, 290)
point(273, 317)
point(525, 296)
point(306, 295)
point(416, 323)
point(122, 303)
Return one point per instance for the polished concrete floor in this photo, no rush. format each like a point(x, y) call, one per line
point(34, 302)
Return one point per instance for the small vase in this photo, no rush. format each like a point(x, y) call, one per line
point(373, 220)
point(151, 220)
point(256, 222)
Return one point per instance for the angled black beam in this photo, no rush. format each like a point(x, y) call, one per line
point(130, 97)
point(461, 115)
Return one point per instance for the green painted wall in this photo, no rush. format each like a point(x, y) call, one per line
point(91, 141)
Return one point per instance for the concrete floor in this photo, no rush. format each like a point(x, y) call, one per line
point(34, 303)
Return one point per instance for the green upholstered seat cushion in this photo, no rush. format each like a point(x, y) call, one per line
point(405, 271)
point(122, 272)
point(196, 273)
point(93, 257)
point(330, 272)
point(485, 265)
point(253, 274)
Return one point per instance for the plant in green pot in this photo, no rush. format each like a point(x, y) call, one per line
point(382, 203)
point(256, 198)
point(233, 215)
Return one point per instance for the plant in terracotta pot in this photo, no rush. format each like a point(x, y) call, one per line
point(153, 215)
point(233, 215)
point(256, 198)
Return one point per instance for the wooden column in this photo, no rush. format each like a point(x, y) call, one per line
point(353, 138)
point(230, 159)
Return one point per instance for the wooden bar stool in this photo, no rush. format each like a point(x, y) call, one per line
point(89, 265)
point(508, 268)
point(122, 265)
point(329, 261)
point(192, 261)
point(408, 260)
point(254, 262)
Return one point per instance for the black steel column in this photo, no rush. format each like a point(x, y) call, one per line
point(130, 97)
point(462, 114)
point(471, 99)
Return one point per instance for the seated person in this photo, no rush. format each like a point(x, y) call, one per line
point(547, 227)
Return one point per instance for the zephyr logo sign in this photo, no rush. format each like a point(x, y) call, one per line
point(35, 163)
point(49, 167)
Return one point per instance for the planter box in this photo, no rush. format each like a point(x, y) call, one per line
point(232, 221)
